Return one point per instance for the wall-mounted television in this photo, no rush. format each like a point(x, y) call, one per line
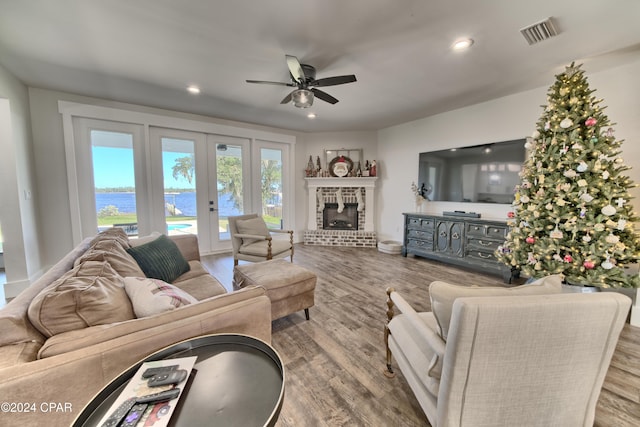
point(485, 173)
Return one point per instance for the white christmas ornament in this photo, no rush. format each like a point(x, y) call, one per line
point(582, 167)
point(607, 265)
point(556, 233)
point(582, 183)
point(605, 175)
point(586, 238)
point(570, 173)
point(608, 210)
point(566, 123)
point(535, 134)
point(612, 238)
point(621, 224)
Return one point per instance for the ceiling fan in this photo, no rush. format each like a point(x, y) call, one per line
point(303, 78)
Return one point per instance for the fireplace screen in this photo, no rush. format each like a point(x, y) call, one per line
point(345, 220)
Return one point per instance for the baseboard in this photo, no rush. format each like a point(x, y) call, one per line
point(12, 289)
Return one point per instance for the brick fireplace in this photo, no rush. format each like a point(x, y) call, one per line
point(349, 200)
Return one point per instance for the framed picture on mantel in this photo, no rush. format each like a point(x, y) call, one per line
point(343, 161)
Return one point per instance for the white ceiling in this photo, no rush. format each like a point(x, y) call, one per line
point(147, 51)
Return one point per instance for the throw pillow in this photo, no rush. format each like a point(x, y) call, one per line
point(444, 294)
point(255, 226)
point(88, 295)
point(160, 259)
point(153, 296)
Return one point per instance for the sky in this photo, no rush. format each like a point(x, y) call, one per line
point(113, 162)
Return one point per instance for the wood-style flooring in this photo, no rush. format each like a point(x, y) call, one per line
point(334, 362)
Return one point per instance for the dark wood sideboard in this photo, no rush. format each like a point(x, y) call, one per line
point(464, 241)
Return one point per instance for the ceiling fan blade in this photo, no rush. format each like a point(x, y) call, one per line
point(332, 81)
point(262, 82)
point(324, 96)
point(295, 69)
point(287, 99)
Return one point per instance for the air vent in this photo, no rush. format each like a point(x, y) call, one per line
point(543, 30)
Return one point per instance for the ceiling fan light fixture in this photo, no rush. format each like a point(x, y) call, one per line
point(193, 89)
point(302, 98)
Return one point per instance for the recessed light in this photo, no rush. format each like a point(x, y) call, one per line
point(312, 115)
point(193, 89)
point(462, 44)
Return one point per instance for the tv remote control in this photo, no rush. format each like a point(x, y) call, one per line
point(134, 415)
point(173, 377)
point(163, 396)
point(116, 417)
point(151, 372)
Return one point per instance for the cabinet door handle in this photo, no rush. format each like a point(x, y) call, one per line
point(485, 256)
point(443, 234)
point(455, 236)
point(485, 243)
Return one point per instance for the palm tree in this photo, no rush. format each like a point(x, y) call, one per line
point(184, 168)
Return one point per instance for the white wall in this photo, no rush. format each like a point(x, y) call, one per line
point(18, 207)
point(314, 144)
point(501, 119)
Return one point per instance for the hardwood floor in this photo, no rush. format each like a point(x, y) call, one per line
point(334, 362)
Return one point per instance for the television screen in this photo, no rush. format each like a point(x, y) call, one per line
point(481, 174)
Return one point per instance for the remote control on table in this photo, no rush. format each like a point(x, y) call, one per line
point(134, 415)
point(122, 410)
point(173, 377)
point(151, 372)
point(117, 415)
point(163, 396)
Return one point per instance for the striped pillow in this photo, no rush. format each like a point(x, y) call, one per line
point(160, 259)
point(152, 296)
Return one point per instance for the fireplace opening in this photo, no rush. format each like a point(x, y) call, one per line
point(345, 220)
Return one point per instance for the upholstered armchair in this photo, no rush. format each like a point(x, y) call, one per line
point(252, 240)
point(524, 356)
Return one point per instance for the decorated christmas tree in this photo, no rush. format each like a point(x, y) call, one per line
point(573, 214)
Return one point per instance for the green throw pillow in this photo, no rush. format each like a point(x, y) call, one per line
point(160, 259)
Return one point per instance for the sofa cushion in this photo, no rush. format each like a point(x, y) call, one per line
point(255, 226)
point(153, 296)
point(198, 283)
point(90, 294)
point(18, 353)
point(115, 233)
point(112, 251)
point(160, 259)
point(444, 294)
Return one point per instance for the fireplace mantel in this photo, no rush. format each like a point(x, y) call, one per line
point(368, 183)
point(341, 182)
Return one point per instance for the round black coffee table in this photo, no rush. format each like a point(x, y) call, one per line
point(239, 380)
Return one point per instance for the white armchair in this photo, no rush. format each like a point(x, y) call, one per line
point(252, 240)
point(506, 359)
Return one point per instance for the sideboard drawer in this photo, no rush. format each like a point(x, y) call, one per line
point(420, 234)
point(421, 223)
point(487, 230)
point(426, 245)
point(484, 245)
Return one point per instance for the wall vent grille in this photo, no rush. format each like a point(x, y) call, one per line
point(540, 31)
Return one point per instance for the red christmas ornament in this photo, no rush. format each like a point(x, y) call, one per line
point(589, 265)
point(568, 258)
point(530, 240)
point(511, 214)
point(590, 122)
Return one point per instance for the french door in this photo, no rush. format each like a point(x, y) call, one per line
point(202, 181)
point(146, 178)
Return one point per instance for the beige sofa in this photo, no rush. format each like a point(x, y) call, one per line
point(46, 380)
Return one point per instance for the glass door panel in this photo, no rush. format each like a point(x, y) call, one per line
point(115, 193)
point(229, 190)
point(179, 185)
point(271, 187)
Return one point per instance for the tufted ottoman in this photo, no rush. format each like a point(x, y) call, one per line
point(290, 287)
